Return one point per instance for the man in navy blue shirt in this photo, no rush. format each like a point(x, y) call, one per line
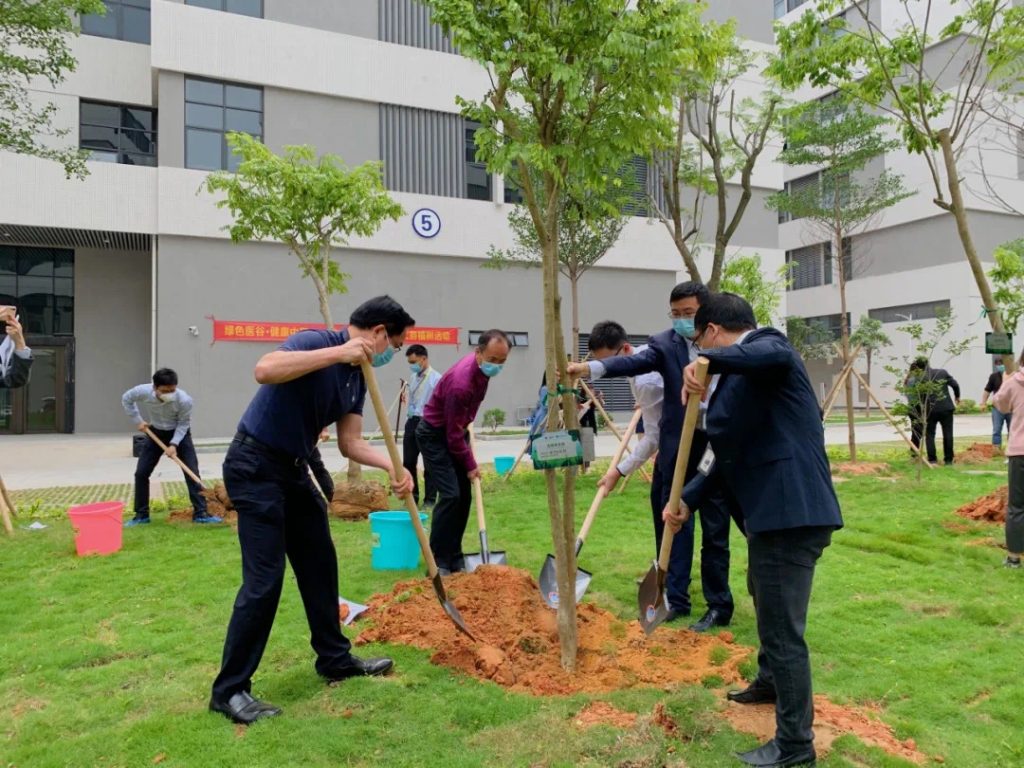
point(312, 380)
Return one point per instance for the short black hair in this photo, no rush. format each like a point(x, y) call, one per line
point(607, 335)
point(382, 310)
point(731, 312)
point(919, 364)
point(417, 349)
point(688, 289)
point(165, 377)
point(488, 336)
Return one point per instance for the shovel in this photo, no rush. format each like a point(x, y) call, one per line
point(410, 502)
point(175, 459)
point(484, 557)
point(548, 578)
point(651, 595)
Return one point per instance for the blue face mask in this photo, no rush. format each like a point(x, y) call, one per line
point(383, 358)
point(490, 370)
point(1000, 369)
point(684, 327)
point(415, 367)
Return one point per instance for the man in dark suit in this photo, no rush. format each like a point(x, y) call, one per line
point(767, 451)
point(668, 353)
point(930, 387)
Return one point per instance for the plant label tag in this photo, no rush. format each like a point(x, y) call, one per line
point(557, 449)
point(707, 462)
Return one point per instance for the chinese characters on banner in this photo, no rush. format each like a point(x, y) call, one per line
point(258, 330)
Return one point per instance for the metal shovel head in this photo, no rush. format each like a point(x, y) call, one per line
point(651, 599)
point(548, 581)
point(475, 559)
point(449, 607)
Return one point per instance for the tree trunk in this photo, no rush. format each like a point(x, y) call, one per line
point(561, 510)
point(959, 211)
point(844, 336)
point(867, 409)
point(574, 284)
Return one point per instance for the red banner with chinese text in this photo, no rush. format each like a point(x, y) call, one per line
point(263, 331)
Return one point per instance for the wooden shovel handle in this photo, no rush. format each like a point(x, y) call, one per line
point(683, 459)
point(601, 492)
point(478, 492)
point(175, 459)
point(396, 461)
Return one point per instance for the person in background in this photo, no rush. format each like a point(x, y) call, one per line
point(417, 395)
point(999, 419)
point(938, 406)
point(15, 356)
point(1010, 400)
point(165, 410)
point(444, 439)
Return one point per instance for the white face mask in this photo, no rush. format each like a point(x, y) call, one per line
point(166, 397)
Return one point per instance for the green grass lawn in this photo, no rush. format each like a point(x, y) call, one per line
point(108, 661)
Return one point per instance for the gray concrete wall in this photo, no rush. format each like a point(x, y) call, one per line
point(930, 242)
point(754, 20)
point(201, 277)
point(112, 335)
point(759, 227)
point(344, 127)
point(170, 102)
point(351, 17)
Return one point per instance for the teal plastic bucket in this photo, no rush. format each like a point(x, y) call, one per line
point(504, 463)
point(395, 547)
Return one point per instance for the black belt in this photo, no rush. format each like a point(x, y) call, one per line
point(281, 456)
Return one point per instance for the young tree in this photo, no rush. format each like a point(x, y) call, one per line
point(309, 204)
point(812, 340)
point(1008, 277)
point(717, 136)
point(870, 337)
point(743, 275)
point(34, 44)
point(588, 227)
point(938, 85)
point(841, 138)
point(918, 388)
point(575, 89)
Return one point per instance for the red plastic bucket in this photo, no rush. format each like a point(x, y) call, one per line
point(98, 527)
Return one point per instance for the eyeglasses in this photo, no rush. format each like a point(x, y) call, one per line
point(680, 316)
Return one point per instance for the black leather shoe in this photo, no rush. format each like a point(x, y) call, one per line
point(360, 668)
point(713, 618)
point(755, 693)
point(243, 708)
point(770, 756)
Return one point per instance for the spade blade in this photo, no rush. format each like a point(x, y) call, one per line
point(651, 599)
point(548, 582)
point(449, 606)
point(475, 559)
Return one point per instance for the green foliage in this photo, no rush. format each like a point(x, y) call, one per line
point(812, 340)
point(743, 275)
point(869, 334)
point(34, 36)
point(308, 203)
point(969, 406)
point(1008, 278)
point(494, 418)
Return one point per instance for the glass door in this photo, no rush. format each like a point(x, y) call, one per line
point(42, 405)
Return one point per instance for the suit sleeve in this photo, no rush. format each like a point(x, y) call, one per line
point(698, 488)
point(17, 376)
point(646, 361)
point(954, 384)
point(755, 357)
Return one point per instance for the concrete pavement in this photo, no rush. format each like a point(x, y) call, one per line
point(47, 461)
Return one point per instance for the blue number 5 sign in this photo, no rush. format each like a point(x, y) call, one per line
point(426, 223)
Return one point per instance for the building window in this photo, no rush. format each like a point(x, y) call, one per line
point(637, 173)
point(806, 267)
point(478, 180)
point(518, 338)
point(241, 7)
point(513, 192)
point(114, 133)
point(40, 282)
point(409, 22)
point(423, 151)
point(124, 20)
point(782, 7)
point(618, 394)
point(212, 110)
point(830, 327)
point(907, 313)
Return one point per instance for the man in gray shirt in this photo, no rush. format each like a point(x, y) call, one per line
point(167, 412)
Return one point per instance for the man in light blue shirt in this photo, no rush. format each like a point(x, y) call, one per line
point(167, 412)
point(417, 395)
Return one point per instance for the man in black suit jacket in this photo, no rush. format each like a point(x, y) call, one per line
point(932, 387)
point(764, 430)
point(668, 353)
point(15, 356)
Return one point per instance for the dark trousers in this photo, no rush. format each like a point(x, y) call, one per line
point(714, 516)
point(454, 497)
point(410, 460)
point(280, 514)
point(677, 586)
point(148, 460)
point(916, 431)
point(780, 576)
point(946, 420)
point(1015, 507)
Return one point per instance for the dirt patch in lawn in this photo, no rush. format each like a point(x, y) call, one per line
point(978, 453)
point(603, 713)
point(830, 722)
point(862, 469)
point(518, 638)
point(990, 508)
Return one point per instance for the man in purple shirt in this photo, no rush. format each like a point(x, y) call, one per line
point(444, 441)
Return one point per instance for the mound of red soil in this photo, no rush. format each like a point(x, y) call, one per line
point(979, 453)
point(830, 722)
point(861, 468)
point(356, 500)
point(990, 508)
point(518, 644)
